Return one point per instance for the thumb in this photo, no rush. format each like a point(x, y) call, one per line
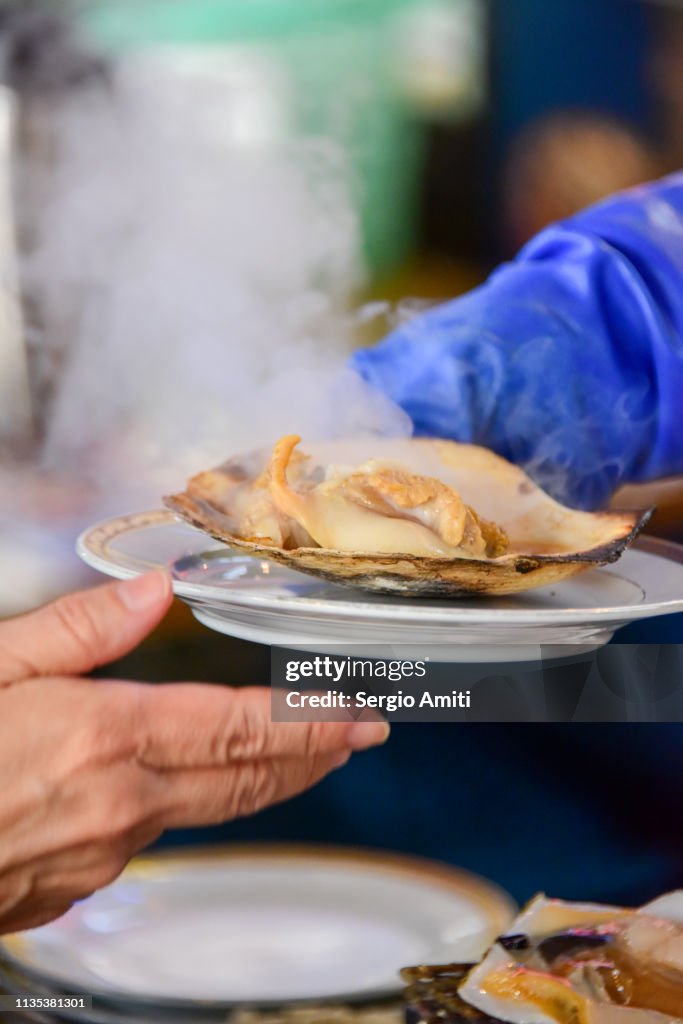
point(82, 631)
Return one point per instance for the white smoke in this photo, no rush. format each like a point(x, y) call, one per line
point(193, 273)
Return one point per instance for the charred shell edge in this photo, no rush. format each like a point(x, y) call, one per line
point(431, 996)
point(202, 516)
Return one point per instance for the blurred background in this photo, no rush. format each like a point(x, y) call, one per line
point(257, 186)
point(260, 185)
point(204, 206)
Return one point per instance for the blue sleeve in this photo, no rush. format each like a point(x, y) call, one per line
point(569, 360)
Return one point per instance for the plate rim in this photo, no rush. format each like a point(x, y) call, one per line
point(90, 541)
point(495, 901)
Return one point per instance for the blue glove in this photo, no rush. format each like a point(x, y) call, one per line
point(569, 360)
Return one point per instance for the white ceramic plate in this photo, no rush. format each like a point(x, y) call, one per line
point(266, 603)
point(263, 926)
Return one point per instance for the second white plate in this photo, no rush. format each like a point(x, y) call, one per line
point(263, 926)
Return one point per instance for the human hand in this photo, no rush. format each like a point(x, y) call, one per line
point(93, 771)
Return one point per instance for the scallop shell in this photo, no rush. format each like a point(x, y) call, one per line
point(651, 936)
point(542, 918)
point(548, 542)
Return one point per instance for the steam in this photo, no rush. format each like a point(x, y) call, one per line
point(526, 392)
point(193, 280)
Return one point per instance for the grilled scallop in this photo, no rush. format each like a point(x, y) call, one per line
point(565, 963)
point(410, 517)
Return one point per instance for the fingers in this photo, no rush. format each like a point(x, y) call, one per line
point(81, 631)
point(221, 756)
point(197, 726)
point(212, 796)
point(114, 764)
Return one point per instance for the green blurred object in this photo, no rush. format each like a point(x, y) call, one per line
point(342, 59)
point(129, 22)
